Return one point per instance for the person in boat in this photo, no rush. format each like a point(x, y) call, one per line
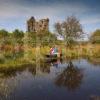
point(55, 51)
point(51, 51)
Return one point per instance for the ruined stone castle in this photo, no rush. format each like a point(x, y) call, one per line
point(37, 26)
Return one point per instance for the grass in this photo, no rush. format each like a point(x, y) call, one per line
point(31, 54)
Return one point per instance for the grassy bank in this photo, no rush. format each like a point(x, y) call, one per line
point(88, 50)
point(31, 55)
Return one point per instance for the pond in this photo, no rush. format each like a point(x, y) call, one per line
point(54, 80)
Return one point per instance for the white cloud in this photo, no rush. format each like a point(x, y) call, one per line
point(55, 12)
point(9, 9)
point(90, 20)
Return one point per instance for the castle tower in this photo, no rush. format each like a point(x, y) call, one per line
point(43, 24)
point(37, 26)
point(31, 25)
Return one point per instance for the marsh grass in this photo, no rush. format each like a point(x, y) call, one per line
point(31, 54)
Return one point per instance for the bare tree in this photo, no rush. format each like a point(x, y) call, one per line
point(70, 29)
point(58, 28)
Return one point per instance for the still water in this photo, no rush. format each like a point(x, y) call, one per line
point(56, 80)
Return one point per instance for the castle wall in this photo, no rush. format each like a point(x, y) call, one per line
point(37, 26)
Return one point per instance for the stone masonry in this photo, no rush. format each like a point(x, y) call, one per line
point(37, 26)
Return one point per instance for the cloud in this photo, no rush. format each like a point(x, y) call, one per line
point(91, 21)
point(8, 9)
point(16, 12)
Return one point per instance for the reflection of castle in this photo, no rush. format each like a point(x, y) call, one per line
point(34, 26)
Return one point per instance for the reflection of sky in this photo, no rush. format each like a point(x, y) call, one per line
point(14, 13)
point(42, 86)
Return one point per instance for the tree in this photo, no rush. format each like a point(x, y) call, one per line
point(43, 38)
point(58, 28)
point(95, 37)
point(49, 38)
point(18, 36)
point(3, 34)
point(31, 37)
point(70, 29)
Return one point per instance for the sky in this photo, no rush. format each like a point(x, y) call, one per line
point(15, 13)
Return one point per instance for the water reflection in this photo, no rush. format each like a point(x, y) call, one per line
point(9, 78)
point(42, 81)
point(94, 61)
point(42, 67)
point(71, 77)
point(32, 68)
point(45, 68)
point(56, 62)
point(7, 86)
point(12, 72)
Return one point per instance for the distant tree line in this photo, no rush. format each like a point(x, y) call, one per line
point(42, 38)
point(7, 38)
point(95, 37)
point(18, 37)
point(70, 29)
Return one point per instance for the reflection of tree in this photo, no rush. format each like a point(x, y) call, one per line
point(7, 86)
point(42, 67)
point(9, 79)
point(39, 67)
point(45, 67)
point(32, 70)
point(56, 62)
point(94, 61)
point(12, 72)
point(70, 78)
